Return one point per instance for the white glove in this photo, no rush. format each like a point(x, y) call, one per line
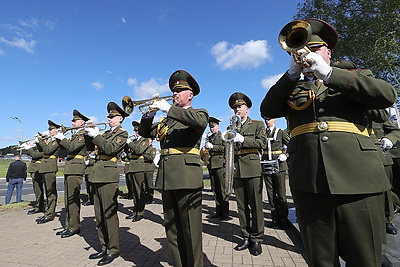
point(162, 105)
point(128, 140)
point(238, 138)
point(59, 136)
point(92, 155)
point(282, 157)
point(86, 162)
point(386, 144)
point(294, 70)
point(92, 131)
point(319, 67)
point(36, 139)
point(209, 145)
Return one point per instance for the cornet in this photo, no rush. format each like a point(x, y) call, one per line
point(128, 104)
point(295, 36)
point(103, 128)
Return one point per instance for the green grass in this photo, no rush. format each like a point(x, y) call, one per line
point(4, 163)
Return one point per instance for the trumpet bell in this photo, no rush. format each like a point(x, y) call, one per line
point(127, 104)
point(295, 35)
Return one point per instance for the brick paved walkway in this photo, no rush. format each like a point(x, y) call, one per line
point(143, 243)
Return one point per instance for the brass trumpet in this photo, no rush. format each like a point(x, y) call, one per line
point(103, 128)
point(128, 104)
point(295, 36)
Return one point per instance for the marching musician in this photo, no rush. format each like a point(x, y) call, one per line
point(275, 182)
point(249, 141)
point(105, 179)
point(136, 172)
point(48, 169)
point(37, 178)
point(74, 171)
point(180, 175)
point(336, 179)
point(215, 167)
point(149, 157)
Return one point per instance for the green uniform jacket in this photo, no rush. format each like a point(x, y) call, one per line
point(149, 156)
point(36, 156)
point(217, 157)
point(75, 163)
point(49, 161)
point(282, 138)
point(332, 162)
point(247, 165)
point(110, 144)
point(135, 150)
point(185, 129)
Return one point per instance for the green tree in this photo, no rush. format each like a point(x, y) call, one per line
point(369, 32)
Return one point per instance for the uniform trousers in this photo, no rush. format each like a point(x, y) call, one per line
point(248, 193)
point(51, 193)
point(72, 201)
point(37, 182)
point(130, 186)
point(149, 176)
point(89, 188)
point(139, 192)
point(349, 226)
point(218, 188)
point(275, 185)
point(105, 212)
point(183, 226)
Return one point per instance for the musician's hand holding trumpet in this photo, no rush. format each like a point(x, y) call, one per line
point(318, 66)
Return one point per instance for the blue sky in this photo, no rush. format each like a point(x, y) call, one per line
point(57, 56)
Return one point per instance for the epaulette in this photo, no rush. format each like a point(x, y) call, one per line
point(122, 129)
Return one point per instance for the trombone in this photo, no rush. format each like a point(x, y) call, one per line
point(128, 104)
point(295, 36)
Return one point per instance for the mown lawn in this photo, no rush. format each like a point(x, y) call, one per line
point(4, 163)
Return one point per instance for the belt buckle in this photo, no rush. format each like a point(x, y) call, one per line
point(322, 126)
point(165, 150)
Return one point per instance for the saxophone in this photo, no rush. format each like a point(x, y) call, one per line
point(227, 137)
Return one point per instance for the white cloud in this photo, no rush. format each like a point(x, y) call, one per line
point(55, 114)
point(123, 20)
point(30, 23)
point(97, 86)
point(147, 89)
point(245, 56)
point(21, 43)
point(270, 80)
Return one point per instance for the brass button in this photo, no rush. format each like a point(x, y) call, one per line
point(322, 126)
point(321, 110)
point(325, 138)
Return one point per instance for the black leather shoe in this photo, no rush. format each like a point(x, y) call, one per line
point(70, 233)
point(62, 232)
point(390, 229)
point(33, 211)
point(97, 255)
point(386, 262)
point(87, 203)
point(130, 217)
point(40, 218)
point(255, 248)
point(107, 259)
point(225, 218)
point(243, 246)
point(272, 224)
point(45, 220)
point(215, 215)
point(137, 218)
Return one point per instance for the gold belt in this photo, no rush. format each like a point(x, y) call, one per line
point(137, 157)
point(110, 158)
point(36, 161)
point(273, 152)
point(246, 151)
point(330, 126)
point(75, 157)
point(49, 156)
point(216, 153)
point(180, 150)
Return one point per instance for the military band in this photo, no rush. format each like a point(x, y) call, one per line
point(339, 141)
